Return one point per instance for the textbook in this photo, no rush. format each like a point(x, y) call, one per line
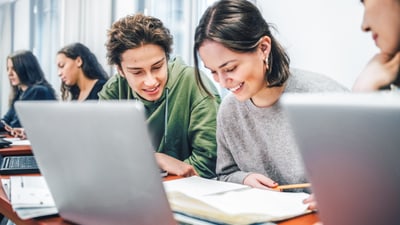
point(230, 203)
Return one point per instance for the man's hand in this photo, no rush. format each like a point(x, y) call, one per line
point(175, 166)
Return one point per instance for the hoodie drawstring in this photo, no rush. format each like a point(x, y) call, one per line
point(166, 116)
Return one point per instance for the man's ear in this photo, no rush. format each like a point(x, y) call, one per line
point(120, 72)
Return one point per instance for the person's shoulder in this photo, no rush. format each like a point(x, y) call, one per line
point(310, 75)
point(112, 81)
point(40, 88)
point(116, 87)
point(178, 69)
point(40, 91)
point(308, 81)
point(177, 62)
point(99, 84)
point(181, 74)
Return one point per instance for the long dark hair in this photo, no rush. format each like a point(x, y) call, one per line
point(91, 67)
point(238, 25)
point(28, 70)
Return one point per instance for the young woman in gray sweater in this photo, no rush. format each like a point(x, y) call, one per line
point(255, 145)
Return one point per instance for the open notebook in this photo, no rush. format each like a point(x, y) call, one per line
point(231, 203)
point(97, 160)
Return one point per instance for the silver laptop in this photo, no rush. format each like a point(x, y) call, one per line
point(350, 144)
point(97, 160)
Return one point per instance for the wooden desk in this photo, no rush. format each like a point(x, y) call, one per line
point(16, 150)
point(6, 209)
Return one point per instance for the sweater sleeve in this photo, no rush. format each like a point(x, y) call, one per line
point(202, 130)
point(227, 168)
point(9, 118)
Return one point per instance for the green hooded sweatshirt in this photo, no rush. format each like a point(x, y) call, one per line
point(189, 132)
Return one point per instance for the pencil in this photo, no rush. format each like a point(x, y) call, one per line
point(292, 186)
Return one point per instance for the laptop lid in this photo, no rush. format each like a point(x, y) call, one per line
point(350, 144)
point(97, 160)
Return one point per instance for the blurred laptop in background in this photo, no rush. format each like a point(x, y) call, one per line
point(350, 144)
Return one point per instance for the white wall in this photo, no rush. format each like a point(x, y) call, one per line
point(323, 36)
point(87, 22)
point(320, 35)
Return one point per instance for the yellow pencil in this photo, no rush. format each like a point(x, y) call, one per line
point(292, 186)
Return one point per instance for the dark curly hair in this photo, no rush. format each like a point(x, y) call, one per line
point(134, 31)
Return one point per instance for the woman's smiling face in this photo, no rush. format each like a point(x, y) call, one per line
point(241, 73)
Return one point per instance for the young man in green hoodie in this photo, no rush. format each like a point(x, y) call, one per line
point(181, 117)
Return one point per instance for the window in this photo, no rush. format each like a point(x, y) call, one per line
point(51, 24)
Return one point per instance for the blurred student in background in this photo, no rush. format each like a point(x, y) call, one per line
point(255, 144)
point(382, 19)
point(81, 74)
point(181, 118)
point(27, 82)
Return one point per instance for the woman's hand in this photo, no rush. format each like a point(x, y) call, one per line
point(175, 166)
point(18, 133)
point(257, 180)
point(381, 71)
point(312, 204)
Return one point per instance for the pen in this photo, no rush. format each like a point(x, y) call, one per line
point(6, 126)
point(5, 123)
point(292, 186)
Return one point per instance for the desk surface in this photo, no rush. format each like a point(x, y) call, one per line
point(6, 210)
point(16, 150)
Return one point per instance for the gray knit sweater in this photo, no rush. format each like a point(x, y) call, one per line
point(253, 139)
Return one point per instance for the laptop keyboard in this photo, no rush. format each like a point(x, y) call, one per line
point(20, 162)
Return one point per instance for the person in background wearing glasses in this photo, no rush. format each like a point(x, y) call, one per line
point(181, 118)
